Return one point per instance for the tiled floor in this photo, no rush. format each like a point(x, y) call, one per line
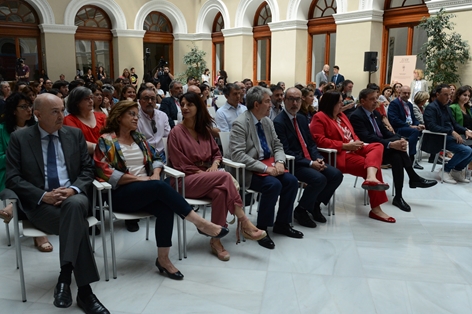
point(352, 264)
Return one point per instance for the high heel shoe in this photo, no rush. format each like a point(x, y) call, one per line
point(224, 231)
point(248, 230)
point(218, 249)
point(176, 276)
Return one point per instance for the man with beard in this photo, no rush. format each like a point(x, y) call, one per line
point(277, 100)
point(171, 105)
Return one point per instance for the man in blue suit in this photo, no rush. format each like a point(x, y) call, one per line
point(401, 117)
point(322, 179)
point(337, 78)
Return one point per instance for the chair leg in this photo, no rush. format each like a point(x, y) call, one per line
point(7, 230)
point(355, 182)
point(252, 201)
point(147, 228)
point(184, 232)
point(19, 257)
point(102, 225)
point(179, 239)
point(435, 161)
point(112, 236)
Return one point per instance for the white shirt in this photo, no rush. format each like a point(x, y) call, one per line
point(162, 125)
point(134, 159)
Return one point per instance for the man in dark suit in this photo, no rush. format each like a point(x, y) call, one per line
point(322, 179)
point(337, 78)
point(252, 141)
point(170, 105)
point(367, 124)
point(49, 168)
point(401, 117)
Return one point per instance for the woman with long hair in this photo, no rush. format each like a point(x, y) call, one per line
point(307, 108)
point(101, 75)
point(128, 93)
point(396, 88)
point(461, 106)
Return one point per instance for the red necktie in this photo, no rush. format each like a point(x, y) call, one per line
point(301, 140)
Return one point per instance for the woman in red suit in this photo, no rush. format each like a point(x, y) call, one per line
point(331, 129)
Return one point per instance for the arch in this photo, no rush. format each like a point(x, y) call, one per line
point(298, 9)
point(207, 15)
point(247, 8)
point(44, 11)
point(113, 10)
point(172, 12)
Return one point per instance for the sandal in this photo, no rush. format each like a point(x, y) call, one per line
point(218, 249)
point(45, 247)
point(6, 216)
point(248, 230)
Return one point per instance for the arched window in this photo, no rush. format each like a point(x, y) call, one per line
point(401, 33)
point(19, 38)
point(262, 43)
point(218, 50)
point(158, 41)
point(321, 36)
point(93, 41)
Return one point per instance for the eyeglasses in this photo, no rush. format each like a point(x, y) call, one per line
point(293, 99)
point(153, 125)
point(25, 107)
point(88, 98)
point(133, 114)
point(149, 98)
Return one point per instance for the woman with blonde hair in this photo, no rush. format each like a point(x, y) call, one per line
point(418, 106)
point(418, 84)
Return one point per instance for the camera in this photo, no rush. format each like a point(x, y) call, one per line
point(162, 63)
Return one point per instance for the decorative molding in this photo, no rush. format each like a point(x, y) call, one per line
point(57, 29)
point(288, 25)
point(193, 37)
point(114, 11)
point(173, 13)
point(247, 9)
point(449, 5)
point(44, 10)
point(128, 33)
point(359, 17)
point(237, 31)
point(206, 17)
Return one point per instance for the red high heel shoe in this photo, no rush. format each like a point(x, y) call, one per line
point(377, 217)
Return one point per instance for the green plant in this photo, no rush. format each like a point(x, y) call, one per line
point(444, 50)
point(195, 62)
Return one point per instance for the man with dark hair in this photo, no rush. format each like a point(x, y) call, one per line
point(47, 86)
point(226, 115)
point(190, 82)
point(367, 124)
point(248, 83)
point(171, 105)
point(165, 77)
point(401, 117)
point(438, 118)
point(277, 100)
point(337, 78)
point(219, 87)
point(62, 87)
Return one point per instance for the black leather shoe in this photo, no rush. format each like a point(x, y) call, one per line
point(422, 183)
point(287, 230)
point(400, 203)
point(62, 295)
point(176, 276)
point(91, 305)
point(224, 231)
point(132, 225)
point(416, 165)
point(317, 215)
point(301, 215)
point(266, 242)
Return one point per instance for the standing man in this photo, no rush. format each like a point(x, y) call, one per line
point(438, 118)
point(322, 75)
point(276, 100)
point(22, 71)
point(171, 105)
point(322, 179)
point(133, 77)
point(253, 142)
point(337, 78)
point(226, 115)
point(401, 117)
point(368, 125)
point(165, 77)
point(49, 168)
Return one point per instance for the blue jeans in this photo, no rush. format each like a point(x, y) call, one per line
point(462, 155)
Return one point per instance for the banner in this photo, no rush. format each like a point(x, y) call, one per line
point(402, 70)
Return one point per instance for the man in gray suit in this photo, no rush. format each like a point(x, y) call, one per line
point(322, 75)
point(253, 142)
point(49, 168)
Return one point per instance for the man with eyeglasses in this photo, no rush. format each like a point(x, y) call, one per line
point(322, 179)
point(153, 123)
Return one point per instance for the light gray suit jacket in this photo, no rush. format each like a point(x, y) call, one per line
point(321, 76)
point(245, 146)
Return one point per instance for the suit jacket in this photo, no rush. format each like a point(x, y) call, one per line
point(435, 117)
point(339, 79)
point(244, 143)
point(397, 116)
point(321, 76)
point(169, 107)
point(289, 138)
point(25, 164)
point(364, 129)
point(327, 134)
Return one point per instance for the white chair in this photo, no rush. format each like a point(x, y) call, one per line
point(420, 144)
point(211, 111)
point(220, 100)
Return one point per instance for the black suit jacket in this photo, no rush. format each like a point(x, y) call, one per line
point(339, 79)
point(169, 107)
point(365, 131)
point(25, 164)
point(287, 135)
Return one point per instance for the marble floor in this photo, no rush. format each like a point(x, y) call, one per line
point(351, 264)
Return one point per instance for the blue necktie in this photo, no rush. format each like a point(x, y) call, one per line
point(263, 140)
point(376, 126)
point(53, 177)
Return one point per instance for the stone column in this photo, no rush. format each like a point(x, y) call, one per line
point(128, 51)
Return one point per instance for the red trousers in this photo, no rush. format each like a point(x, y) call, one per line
point(357, 163)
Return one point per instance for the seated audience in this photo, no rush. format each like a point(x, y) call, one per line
point(277, 101)
point(461, 107)
point(396, 91)
point(380, 107)
point(384, 98)
point(322, 179)
point(128, 92)
point(306, 108)
point(419, 104)
point(136, 182)
point(226, 115)
point(170, 105)
point(253, 142)
point(100, 104)
point(331, 129)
